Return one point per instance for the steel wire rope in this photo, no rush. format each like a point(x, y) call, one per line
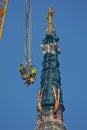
point(28, 31)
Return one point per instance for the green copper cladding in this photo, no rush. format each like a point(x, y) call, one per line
point(50, 74)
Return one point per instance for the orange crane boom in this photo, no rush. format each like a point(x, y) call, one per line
point(3, 9)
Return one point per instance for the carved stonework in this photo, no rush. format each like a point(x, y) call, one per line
point(50, 125)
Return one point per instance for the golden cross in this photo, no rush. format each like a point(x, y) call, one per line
point(50, 17)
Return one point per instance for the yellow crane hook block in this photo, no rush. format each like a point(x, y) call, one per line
point(3, 8)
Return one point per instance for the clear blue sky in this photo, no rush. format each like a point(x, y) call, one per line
point(17, 102)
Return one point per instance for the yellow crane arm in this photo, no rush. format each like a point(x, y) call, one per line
point(3, 9)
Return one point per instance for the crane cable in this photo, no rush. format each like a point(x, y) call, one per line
point(28, 72)
point(28, 33)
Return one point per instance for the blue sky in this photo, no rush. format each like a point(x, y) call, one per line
point(17, 102)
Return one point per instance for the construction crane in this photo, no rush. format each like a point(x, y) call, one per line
point(3, 9)
point(28, 72)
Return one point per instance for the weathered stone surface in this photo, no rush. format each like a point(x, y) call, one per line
point(50, 125)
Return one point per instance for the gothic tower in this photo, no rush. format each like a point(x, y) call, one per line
point(50, 106)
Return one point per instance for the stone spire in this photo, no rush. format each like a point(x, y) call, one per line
point(50, 106)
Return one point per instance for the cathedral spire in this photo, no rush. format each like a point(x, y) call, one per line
point(50, 106)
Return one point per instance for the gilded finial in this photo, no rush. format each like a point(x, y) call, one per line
point(49, 17)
